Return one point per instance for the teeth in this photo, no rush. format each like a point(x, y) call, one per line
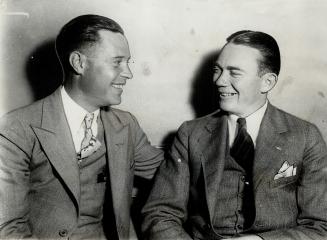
point(120, 86)
point(227, 94)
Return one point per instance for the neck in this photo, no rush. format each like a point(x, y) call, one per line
point(79, 97)
point(255, 109)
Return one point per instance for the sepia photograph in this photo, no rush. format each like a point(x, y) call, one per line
point(162, 119)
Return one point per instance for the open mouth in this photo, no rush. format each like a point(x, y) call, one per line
point(118, 86)
point(227, 94)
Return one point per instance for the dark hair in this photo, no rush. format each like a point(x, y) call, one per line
point(263, 42)
point(82, 31)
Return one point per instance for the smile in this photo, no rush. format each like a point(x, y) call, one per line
point(226, 94)
point(119, 86)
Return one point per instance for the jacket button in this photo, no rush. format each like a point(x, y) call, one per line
point(63, 233)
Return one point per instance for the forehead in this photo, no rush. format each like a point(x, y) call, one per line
point(113, 44)
point(240, 56)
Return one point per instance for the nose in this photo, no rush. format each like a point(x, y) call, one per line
point(127, 73)
point(221, 80)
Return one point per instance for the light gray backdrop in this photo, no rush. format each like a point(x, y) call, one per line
point(171, 43)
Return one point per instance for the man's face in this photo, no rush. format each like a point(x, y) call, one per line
point(106, 70)
point(237, 77)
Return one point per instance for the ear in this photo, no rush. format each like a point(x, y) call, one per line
point(269, 81)
point(77, 61)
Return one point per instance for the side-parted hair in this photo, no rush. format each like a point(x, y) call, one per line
point(263, 42)
point(80, 32)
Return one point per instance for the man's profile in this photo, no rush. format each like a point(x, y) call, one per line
point(67, 162)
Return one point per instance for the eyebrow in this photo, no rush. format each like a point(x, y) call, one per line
point(121, 57)
point(230, 68)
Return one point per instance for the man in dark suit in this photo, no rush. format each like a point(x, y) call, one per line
point(248, 171)
point(67, 162)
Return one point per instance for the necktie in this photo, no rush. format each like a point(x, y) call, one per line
point(243, 147)
point(243, 152)
point(89, 143)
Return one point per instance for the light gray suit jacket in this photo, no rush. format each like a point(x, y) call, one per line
point(39, 175)
point(291, 208)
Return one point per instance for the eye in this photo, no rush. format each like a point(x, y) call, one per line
point(236, 73)
point(117, 62)
point(217, 70)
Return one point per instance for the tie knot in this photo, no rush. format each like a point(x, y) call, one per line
point(88, 119)
point(241, 122)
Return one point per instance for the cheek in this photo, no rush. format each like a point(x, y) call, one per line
point(106, 72)
point(215, 77)
point(254, 93)
point(110, 76)
point(105, 78)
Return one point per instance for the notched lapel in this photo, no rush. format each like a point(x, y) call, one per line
point(270, 146)
point(62, 158)
point(55, 138)
point(116, 137)
point(213, 153)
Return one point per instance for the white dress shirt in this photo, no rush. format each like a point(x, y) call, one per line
point(75, 115)
point(253, 123)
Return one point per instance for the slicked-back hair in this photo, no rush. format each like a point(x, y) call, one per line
point(80, 32)
point(266, 45)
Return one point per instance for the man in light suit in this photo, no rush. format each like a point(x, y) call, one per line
point(67, 162)
point(248, 171)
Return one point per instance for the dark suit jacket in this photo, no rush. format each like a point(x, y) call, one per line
point(39, 175)
point(288, 208)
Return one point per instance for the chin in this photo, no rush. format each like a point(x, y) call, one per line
point(114, 102)
point(111, 99)
point(226, 107)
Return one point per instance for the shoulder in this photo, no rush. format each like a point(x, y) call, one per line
point(204, 119)
point(291, 121)
point(26, 115)
point(296, 126)
point(122, 116)
point(210, 121)
point(15, 127)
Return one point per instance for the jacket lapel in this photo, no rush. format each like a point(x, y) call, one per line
point(116, 137)
point(269, 148)
point(55, 137)
point(213, 151)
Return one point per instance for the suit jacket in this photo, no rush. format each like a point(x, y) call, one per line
point(39, 175)
point(187, 184)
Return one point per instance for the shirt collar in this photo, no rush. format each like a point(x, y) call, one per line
point(75, 114)
point(253, 123)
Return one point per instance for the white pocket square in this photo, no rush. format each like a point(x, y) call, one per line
point(285, 171)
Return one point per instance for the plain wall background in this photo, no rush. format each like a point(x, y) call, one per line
point(172, 44)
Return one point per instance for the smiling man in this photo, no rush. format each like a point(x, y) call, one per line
point(248, 171)
point(67, 162)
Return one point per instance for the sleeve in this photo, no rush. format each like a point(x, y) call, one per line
point(147, 158)
point(14, 182)
point(166, 208)
point(311, 194)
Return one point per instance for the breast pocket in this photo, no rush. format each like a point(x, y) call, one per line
point(284, 181)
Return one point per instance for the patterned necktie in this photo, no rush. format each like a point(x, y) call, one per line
point(243, 152)
point(89, 143)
